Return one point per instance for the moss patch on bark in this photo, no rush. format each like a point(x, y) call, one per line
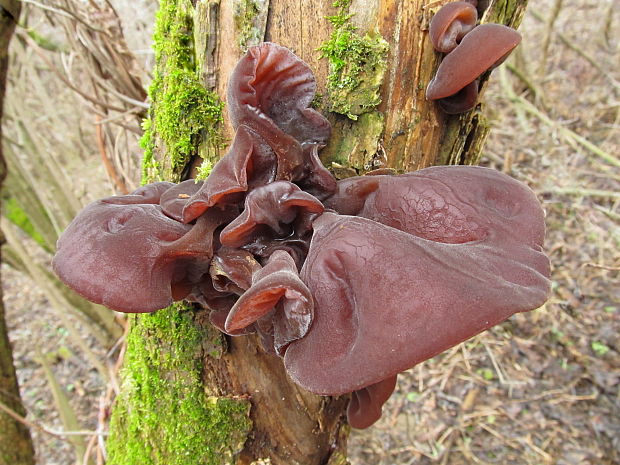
point(357, 65)
point(163, 415)
point(183, 112)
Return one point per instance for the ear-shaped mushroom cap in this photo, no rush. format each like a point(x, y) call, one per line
point(124, 252)
point(276, 286)
point(483, 48)
point(121, 256)
point(232, 270)
point(228, 177)
point(271, 86)
point(278, 136)
point(366, 403)
point(450, 24)
point(450, 204)
point(149, 193)
point(466, 255)
point(269, 210)
point(173, 200)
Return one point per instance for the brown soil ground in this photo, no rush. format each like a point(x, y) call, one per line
point(542, 388)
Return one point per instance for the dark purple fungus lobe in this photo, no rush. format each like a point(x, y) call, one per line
point(450, 24)
point(131, 256)
point(121, 256)
point(269, 210)
point(232, 270)
point(270, 91)
point(150, 193)
point(278, 293)
point(365, 406)
point(231, 274)
point(464, 100)
point(483, 48)
point(460, 252)
point(278, 135)
point(451, 204)
point(173, 200)
point(228, 180)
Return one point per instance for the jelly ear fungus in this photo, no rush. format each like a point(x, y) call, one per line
point(349, 282)
point(471, 51)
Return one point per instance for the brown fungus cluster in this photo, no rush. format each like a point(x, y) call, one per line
point(470, 52)
point(350, 282)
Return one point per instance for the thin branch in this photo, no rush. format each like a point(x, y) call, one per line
point(566, 132)
point(63, 12)
point(109, 167)
point(57, 434)
point(557, 7)
point(68, 83)
point(580, 51)
point(583, 192)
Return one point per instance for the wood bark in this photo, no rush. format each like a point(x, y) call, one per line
point(290, 425)
point(15, 442)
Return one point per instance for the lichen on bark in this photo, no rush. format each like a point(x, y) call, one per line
point(357, 67)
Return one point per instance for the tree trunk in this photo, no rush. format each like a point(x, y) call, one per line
point(189, 395)
point(15, 442)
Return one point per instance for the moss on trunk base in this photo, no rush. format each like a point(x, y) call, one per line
point(163, 414)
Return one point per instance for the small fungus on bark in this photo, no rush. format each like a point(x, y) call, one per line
point(471, 51)
point(450, 24)
point(350, 282)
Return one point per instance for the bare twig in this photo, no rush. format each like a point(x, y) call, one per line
point(23, 35)
point(557, 6)
point(580, 51)
point(109, 167)
point(584, 192)
point(45, 430)
point(63, 12)
point(566, 132)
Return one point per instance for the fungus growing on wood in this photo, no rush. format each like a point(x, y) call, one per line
point(125, 253)
point(276, 289)
point(270, 210)
point(450, 24)
point(425, 266)
point(350, 282)
point(471, 51)
point(365, 407)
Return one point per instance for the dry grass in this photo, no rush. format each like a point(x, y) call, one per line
point(543, 388)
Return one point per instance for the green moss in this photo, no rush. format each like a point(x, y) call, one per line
point(16, 215)
point(183, 113)
point(45, 42)
point(357, 65)
point(163, 415)
point(356, 145)
point(204, 170)
point(245, 13)
point(505, 12)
